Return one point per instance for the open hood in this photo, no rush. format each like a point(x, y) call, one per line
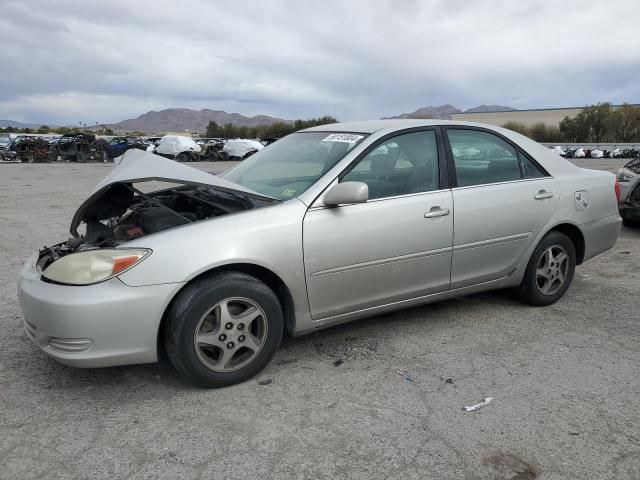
point(135, 166)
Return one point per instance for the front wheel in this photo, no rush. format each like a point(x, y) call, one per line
point(549, 271)
point(223, 329)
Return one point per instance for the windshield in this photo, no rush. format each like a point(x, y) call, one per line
point(288, 167)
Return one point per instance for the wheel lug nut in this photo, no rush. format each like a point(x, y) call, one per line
point(222, 337)
point(229, 326)
point(241, 338)
point(241, 326)
point(230, 345)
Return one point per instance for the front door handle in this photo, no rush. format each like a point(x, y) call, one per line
point(436, 212)
point(542, 194)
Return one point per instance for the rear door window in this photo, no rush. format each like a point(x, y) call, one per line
point(482, 158)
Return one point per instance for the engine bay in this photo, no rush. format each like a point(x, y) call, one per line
point(121, 213)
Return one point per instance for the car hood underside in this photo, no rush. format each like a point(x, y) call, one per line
point(136, 166)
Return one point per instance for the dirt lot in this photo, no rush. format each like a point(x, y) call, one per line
point(564, 380)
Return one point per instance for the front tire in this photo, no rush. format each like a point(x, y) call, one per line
point(223, 329)
point(549, 271)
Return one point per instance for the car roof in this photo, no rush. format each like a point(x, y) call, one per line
point(552, 162)
point(371, 126)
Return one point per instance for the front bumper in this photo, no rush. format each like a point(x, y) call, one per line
point(101, 325)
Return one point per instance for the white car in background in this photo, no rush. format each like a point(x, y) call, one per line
point(240, 148)
point(177, 147)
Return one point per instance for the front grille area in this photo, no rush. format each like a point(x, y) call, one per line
point(70, 345)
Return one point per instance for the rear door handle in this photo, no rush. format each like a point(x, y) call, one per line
point(436, 212)
point(542, 194)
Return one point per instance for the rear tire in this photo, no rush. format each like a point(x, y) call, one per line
point(183, 157)
point(549, 272)
point(223, 329)
point(630, 223)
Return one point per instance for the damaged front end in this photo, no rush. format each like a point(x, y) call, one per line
point(119, 211)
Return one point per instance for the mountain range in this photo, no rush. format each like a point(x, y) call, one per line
point(185, 119)
point(16, 124)
point(444, 112)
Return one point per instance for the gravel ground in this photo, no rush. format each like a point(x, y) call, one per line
point(564, 381)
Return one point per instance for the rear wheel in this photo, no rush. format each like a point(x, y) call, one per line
point(183, 157)
point(630, 223)
point(549, 271)
point(224, 329)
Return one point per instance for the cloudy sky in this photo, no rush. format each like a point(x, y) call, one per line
point(94, 61)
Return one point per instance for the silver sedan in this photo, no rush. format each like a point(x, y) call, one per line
point(324, 226)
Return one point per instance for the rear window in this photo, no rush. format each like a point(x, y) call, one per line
point(482, 158)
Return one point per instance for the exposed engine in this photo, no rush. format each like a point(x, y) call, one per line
point(122, 213)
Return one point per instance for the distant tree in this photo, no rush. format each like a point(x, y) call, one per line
point(275, 130)
point(213, 130)
point(596, 121)
point(517, 127)
point(553, 134)
point(229, 131)
point(624, 123)
point(43, 129)
point(541, 132)
point(570, 129)
point(108, 131)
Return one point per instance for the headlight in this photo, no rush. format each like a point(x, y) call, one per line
point(93, 266)
point(625, 176)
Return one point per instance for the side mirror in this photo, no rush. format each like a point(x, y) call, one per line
point(347, 192)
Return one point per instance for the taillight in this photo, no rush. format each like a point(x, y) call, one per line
point(617, 188)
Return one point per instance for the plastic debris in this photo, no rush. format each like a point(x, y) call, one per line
point(408, 378)
point(478, 406)
point(266, 381)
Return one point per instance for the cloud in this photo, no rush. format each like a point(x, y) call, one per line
point(70, 61)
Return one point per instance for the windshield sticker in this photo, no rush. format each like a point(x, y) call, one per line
point(289, 192)
point(343, 137)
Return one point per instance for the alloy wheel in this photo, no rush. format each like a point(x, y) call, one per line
point(552, 268)
point(231, 334)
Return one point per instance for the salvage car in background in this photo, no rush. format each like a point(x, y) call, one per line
point(176, 147)
point(211, 148)
point(239, 149)
point(629, 178)
point(32, 150)
point(325, 226)
point(118, 145)
point(77, 147)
